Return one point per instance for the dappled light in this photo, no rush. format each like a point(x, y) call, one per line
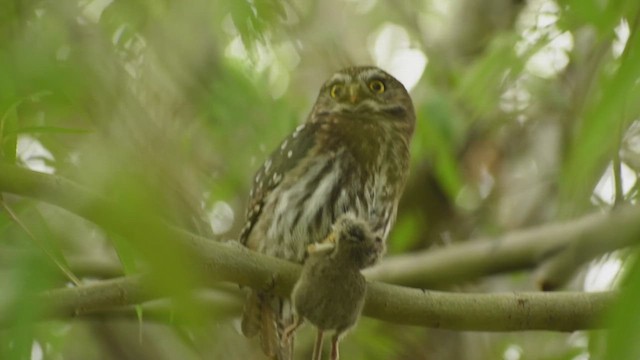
point(602, 274)
point(605, 191)
point(543, 43)
point(392, 50)
point(34, 156)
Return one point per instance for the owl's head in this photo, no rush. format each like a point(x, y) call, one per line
point(365, 90)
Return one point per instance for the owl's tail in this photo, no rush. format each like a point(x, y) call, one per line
point(268, 315)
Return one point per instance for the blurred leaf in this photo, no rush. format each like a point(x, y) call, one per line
point(624, 317)
point(29, 278)
point(257, 127)
point(254, 18)
point(52, 335)
point(10, 128)
point(39, 233)
point(125, 253)
point(128, 259)
point(439, 143)
point(372, 340)
point(141, 218)
point(49, 130)
point(481, 85)
point(599, 133)
point(127, 18)
point(9, 19)
point(49, 242)
point(404, 234)
point(593, 12)
point(9, 124)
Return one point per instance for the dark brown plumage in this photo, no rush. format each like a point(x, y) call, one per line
point(350, 156)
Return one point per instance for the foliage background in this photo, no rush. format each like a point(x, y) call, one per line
point(527, 114)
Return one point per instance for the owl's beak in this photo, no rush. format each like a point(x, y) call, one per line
point(354, 89)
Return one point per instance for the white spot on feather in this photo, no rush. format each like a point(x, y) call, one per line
point(298, 129)
point(340, 77)
point(221, 217)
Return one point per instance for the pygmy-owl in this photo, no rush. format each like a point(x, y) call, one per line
point(331, 290)
point(350, 156)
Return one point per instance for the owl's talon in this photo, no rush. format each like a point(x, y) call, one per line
point(271, 284)
point(321, 246)
point(288, 332)
point(330, 239)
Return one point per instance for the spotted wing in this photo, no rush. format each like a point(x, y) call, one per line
point(286, 157)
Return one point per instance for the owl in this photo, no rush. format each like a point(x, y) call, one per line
point(351, 156)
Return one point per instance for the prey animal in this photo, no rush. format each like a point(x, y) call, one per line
point(330, 292)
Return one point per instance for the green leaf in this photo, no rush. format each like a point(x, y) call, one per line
point(437, 136)
point(9, 128)
point(624, 318)
point(29, 278)
point(51, 244)
point(127, 255)
point(47, 130)
point(587, 12)
point(39, 233)
point(481, 85)
point(8, 142)
point(598, 136)
point(404, 234)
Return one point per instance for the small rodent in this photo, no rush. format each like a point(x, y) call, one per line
point(330, 292)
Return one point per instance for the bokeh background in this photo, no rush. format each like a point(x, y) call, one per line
point(528, 114)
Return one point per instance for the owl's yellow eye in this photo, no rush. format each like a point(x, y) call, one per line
point(376, 86)
point(335, 90)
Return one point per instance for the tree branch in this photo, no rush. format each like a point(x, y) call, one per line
point(91, 266)
point(567, 311)
point(218, 304)
point(233, 262)
point(583, 238)
point(517, 250)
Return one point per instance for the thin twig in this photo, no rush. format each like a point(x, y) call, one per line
point(61, 266)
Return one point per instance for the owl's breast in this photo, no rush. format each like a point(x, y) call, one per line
point(347, 171)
